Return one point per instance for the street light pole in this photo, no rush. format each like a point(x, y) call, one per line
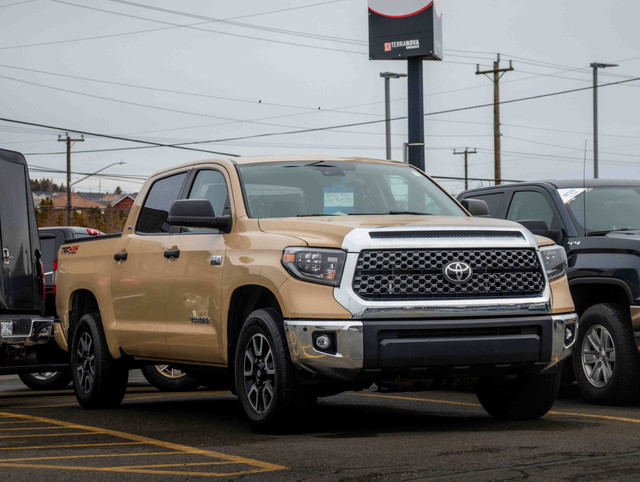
point(68, 140)
point(99, 170)
point(595, 66)
point(387, 106)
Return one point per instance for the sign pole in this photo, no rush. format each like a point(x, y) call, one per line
point(416, 112)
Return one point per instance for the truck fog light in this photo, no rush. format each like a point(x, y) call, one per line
point(324, 342)
point(569, 333)
point(45, 332)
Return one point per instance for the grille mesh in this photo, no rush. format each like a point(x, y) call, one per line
point(418, 274)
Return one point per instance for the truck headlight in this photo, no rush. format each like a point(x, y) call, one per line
point(555, 261)
point(318, 265)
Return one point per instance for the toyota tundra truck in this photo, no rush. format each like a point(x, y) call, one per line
point(302, 277)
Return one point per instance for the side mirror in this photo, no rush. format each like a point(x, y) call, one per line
point(476, 207)
point(539, 227)
point(197, 213)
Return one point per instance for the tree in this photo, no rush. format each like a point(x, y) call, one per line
point(118, 191)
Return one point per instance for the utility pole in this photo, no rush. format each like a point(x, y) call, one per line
point(497, 75)
point(595, 66)
point(69, 140)
point(387, 107)
point(466, 153)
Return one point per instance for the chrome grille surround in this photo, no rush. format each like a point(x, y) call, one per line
point(460, 304)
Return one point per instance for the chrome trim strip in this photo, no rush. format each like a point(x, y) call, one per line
point(345, 364)
point(359, 239)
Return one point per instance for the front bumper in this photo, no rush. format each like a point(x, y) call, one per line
point(21, 330)
point(366, 347)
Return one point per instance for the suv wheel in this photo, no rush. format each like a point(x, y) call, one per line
point(605, 358)
point(265, 377)
point(168, 378)
point(521, 398)
point(46, 380)
point(99, 380)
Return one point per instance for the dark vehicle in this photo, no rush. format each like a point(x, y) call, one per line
point(163, 377)
point(26, 335)
point(598, 224)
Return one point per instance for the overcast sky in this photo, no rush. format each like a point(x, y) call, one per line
point(242, 73)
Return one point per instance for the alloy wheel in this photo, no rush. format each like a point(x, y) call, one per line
point(86, 369)
point(259, 373)
point(170, 372)
point(598, 356)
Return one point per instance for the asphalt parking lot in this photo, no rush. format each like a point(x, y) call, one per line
point(353, 436)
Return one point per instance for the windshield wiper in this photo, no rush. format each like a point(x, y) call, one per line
point(602, 233)
point(418, 213)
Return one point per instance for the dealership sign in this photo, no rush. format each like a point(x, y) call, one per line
point(399, 29)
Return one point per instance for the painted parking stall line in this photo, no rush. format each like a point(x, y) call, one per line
point(177, 459)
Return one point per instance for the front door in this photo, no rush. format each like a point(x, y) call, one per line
point(18, 288)
point(193, 280)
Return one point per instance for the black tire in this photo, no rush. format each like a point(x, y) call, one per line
point(521, 398)
point(608, 375)
point(46, 380)
point(265, 376)
point(169, 379)
point(99, 380)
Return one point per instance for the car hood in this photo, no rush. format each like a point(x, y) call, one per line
point(330, 231)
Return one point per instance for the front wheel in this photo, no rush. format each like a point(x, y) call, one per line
point(265, 377)
point(46, 380)
point(524, 397)
point(605, 358)
point(99, 380)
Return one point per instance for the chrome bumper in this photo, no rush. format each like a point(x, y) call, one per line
point(25, 331)
point(347, 361)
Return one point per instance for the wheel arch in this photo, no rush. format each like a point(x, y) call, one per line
point(587, 292)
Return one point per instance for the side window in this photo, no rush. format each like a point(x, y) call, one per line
point(493, 201)
point(530, 205)
point(155, 210)
point(210, 185)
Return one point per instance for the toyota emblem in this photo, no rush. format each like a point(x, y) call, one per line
point(457, 272)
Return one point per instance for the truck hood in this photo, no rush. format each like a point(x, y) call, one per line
point(329, 231)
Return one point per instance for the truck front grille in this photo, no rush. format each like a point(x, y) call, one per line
point(418, 274)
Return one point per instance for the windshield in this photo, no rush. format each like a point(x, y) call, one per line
point(607, 208)
point(340, 188)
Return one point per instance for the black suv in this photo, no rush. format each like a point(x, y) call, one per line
point(26, 335)
point(598, 223)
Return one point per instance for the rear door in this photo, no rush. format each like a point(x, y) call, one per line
point(19, 289)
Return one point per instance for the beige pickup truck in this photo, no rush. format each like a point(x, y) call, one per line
point(303, 277)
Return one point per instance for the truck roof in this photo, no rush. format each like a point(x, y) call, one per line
point(566, 183)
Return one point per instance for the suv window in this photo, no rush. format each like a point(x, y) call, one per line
point(156, 207)
point(530, 205)
point(210, 185)
point(493, 201)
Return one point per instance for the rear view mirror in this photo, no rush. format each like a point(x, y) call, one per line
point(540, 228)
point(196, 213)
point(476, 207)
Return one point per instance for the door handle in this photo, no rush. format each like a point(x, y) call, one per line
point(172, 253)
point(120, 256)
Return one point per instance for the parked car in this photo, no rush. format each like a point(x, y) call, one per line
point(26, 334)
point(163, 377)
point(304, 277)
point(598, 224)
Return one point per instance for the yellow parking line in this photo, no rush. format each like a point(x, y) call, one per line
point(450, 402)
point(233, 459)
point(38, 447)
point(97, 456)
point(48, 434)
point(20, 421)
point(173, 465)
point(15, 429)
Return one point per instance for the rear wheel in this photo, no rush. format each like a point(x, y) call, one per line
point(605, 359)
point(46, 380)
point(168, 378)
point(521, 398)
point(265, 376)
point(99, 380)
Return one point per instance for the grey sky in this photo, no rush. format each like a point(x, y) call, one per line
point(283, 66)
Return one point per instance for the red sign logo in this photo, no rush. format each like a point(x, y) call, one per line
point(387, 47)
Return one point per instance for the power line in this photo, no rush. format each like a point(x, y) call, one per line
point(16, 3)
